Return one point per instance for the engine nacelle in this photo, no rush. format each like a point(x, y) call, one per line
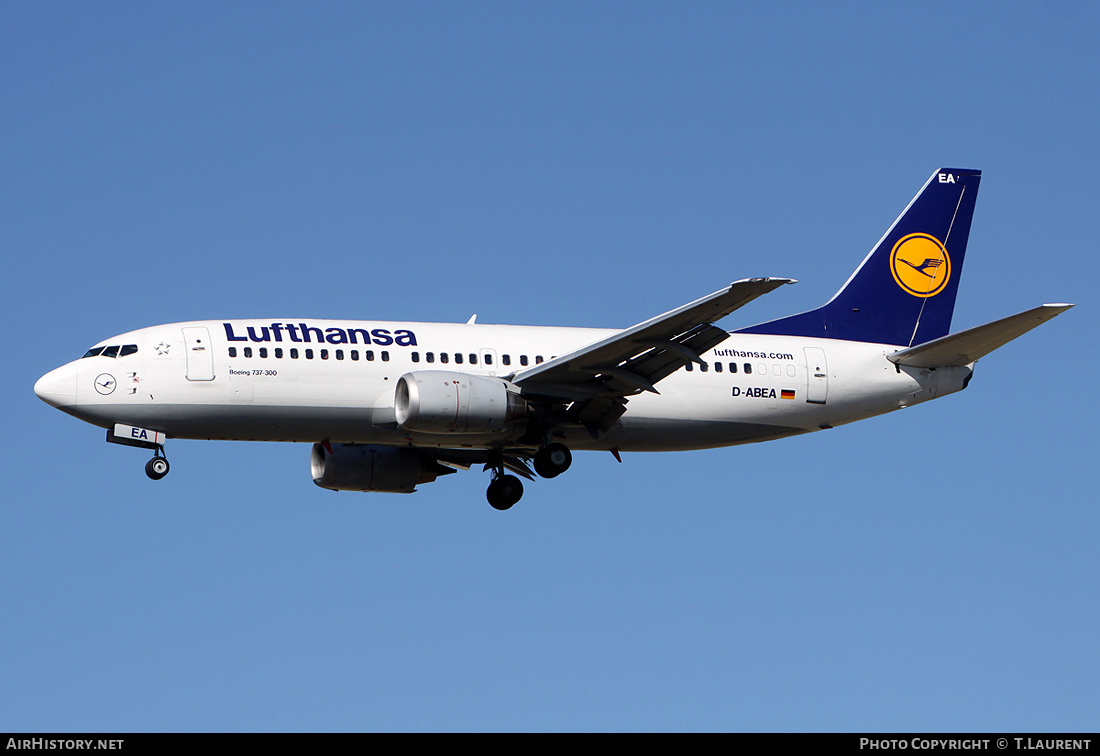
point(440, 401)
point(364, 467)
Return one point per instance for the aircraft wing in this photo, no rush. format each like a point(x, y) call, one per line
point(597, 378)
point(968, 346)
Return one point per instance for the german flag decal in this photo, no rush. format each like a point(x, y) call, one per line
point(786, 394)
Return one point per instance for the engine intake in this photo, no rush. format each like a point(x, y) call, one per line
point(365, 467)
point(439, 401)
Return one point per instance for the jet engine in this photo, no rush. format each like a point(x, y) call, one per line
point(364, 467)
point(439, 401)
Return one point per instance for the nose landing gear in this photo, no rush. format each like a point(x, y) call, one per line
point(157, 467)
point(143, 438)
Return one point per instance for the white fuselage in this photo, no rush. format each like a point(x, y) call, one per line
point(320, 380)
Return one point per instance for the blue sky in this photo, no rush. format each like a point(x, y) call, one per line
point(561, 164)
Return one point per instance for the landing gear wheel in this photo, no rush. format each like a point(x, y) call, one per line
point(504, 491)
point(552, 460)
point(156, 468)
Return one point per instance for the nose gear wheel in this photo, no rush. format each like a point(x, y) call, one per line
point(158, 466)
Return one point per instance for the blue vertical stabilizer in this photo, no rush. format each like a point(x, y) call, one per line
point(904, 290)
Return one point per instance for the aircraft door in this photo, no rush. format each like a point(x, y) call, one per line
point(199, 353)
point(817, 375)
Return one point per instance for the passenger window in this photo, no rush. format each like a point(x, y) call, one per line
point(354, 355)
point(278, 353)
point(523, 360)
point(339, 354)
point(473, 359)
point(324, 354)
point(232, 351)
point(690, 367)
point(430, 357)
point(416, 356)
point(247, 351)
point(703, 367)
point(309, 354)
point(444, 357)
point(506, 359)
point(733, 367)
point(718, 367)
point(538, 359)
point(488, 359)
point(369, 354)
point(93, 352)
point(263, 352)
point(458, 358)
point(748, 368)
point(294, 353)
point(385, 356)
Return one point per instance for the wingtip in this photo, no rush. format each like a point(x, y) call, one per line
point(778, 281)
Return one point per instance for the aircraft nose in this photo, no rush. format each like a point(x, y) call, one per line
point(57, 388)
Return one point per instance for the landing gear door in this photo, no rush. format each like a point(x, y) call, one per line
point(200, 353)
point(817, 375)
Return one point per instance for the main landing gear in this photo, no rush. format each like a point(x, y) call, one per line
point(504, 491)
point(550, 461)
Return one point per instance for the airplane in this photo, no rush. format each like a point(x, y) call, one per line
point(389, 406)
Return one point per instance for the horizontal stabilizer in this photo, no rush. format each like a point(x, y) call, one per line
point(972, 344)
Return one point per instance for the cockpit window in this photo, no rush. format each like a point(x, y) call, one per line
point(112, 351)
